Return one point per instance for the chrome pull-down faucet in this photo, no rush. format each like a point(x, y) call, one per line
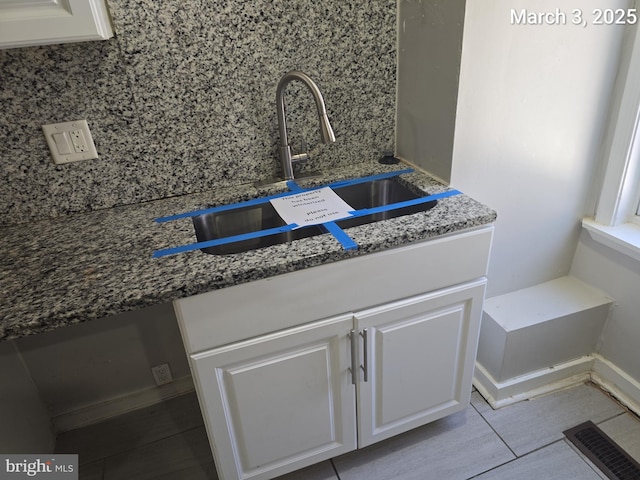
point(326, 133)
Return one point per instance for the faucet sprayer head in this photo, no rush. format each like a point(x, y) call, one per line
point(326, 132)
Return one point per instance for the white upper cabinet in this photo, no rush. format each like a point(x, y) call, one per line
point(41, 22)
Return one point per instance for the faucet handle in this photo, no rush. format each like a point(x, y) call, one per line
point(300, 158)
point(303, 145)
point(303, 156)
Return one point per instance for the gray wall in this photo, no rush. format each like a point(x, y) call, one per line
point(619, 276)
point(26, 427)
point(429, 51)
point(532, 107)
point(182, 99)
point(533, 104)
point(104, 359)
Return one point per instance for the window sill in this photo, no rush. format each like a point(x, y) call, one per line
point(623, 238)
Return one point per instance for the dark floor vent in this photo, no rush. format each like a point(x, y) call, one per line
point(605, 454)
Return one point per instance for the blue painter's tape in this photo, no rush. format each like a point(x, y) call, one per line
point(407, 203)
point(294, 188)
point(222, 241)
point(345, 240)
point(331, 227)
point(340, 235)
point(348, 243)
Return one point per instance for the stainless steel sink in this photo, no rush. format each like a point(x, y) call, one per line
point(212, 226)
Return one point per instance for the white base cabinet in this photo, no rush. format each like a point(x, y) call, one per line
point(420, 359)
point(279, 402)
point(327, 384)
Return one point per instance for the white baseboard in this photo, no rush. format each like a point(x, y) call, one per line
point(533, 384)
point(117, 406)
point(594, 368)
point(499, 394)
point(617, 382)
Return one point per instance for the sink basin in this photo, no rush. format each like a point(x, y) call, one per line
point(375, 193)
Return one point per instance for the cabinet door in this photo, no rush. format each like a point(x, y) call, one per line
point(40, 22)
point(279, 402)
point(420, 356)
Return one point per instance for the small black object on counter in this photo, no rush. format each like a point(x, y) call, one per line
point(388, 159)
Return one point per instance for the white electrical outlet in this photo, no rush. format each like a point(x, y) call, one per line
point(162, 374)
point(70, 141)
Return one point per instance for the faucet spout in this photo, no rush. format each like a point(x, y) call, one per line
point(326, 132)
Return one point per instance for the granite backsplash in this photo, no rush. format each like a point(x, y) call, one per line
point(182, 99)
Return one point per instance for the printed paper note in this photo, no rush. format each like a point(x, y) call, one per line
point(311, 208)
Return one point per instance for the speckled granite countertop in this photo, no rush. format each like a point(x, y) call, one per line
point(68, 270)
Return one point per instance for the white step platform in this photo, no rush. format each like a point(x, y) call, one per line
point(538, 339)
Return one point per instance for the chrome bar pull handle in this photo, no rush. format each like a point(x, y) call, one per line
point(354, 356)
point(365, 368)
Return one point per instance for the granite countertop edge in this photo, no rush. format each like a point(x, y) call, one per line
point(68, 270)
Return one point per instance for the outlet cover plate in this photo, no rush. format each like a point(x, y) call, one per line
point(70, 141)
point(162, 374)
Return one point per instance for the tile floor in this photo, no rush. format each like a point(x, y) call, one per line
point(522, 441)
